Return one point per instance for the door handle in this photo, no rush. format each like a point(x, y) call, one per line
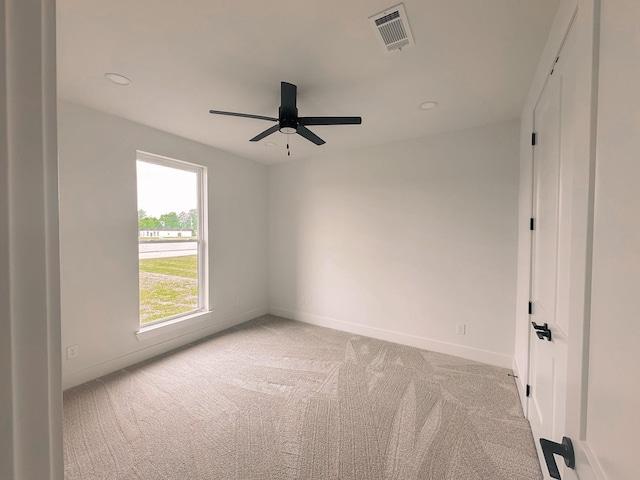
point(546, 334)
point(542, 331)
point(565, 449)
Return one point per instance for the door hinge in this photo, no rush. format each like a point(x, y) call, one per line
point(528, 393)
point(530, 308)
point(532, 224)
point(534, 139)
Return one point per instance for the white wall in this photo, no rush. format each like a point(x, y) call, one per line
point(99, 250)
point(613, 421)
point(403, 241)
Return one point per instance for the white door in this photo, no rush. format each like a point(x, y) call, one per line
point(548, 339)
point(560, 262)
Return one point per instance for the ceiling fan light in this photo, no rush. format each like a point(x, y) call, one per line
point(288, 130)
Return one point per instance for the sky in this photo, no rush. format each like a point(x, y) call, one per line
point(164, 189)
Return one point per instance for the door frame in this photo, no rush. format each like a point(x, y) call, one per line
point(31, 441)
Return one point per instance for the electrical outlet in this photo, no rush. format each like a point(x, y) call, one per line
point(72, 352)
point(302, 302)
point(461, 328)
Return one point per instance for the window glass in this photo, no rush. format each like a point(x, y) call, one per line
point(171, 253)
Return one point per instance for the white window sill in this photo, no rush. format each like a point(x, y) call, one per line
point(173, 325)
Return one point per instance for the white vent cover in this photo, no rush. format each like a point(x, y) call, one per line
point(392, 28)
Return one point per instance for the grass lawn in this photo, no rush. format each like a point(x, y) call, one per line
point(168, 286)
point(185, 266)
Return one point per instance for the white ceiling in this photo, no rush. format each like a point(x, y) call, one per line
point(476, 58)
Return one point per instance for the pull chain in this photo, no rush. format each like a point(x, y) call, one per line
point(288, 150)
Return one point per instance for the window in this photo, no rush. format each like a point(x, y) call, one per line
point(172, 239)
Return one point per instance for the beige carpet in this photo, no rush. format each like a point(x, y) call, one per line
point(278, 399)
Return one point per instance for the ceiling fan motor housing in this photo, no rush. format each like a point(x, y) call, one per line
point(288, 120)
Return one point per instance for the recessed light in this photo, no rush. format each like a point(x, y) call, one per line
point(428, 105)
point(270, 144)
point(117, 78)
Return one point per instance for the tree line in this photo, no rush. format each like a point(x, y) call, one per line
point(172, 220)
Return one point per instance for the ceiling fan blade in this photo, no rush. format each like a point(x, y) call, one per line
point(309, 135)
point(330, 120)
point(266, 133)
point(288, 93)
point(246, 115)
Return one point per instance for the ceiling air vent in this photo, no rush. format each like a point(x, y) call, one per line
point(392, 28)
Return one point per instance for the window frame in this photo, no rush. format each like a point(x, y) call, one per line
point(201, 238)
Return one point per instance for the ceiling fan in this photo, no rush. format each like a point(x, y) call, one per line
point(288, 119)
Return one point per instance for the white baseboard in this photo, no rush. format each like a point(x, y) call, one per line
point(178, 340)
point(484, 356)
